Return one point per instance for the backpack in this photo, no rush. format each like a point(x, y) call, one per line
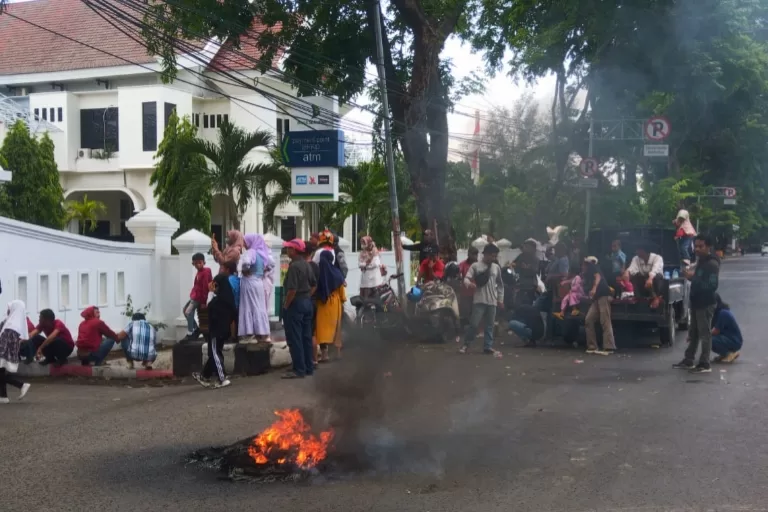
point(482, 278)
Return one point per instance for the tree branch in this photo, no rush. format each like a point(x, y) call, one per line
point(412, 13)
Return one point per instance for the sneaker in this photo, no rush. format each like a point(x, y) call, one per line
point(591, 351)
point(701, 368)
point(5, 400)
point(603, 352)
point(222, 384)
point(200, 380)
point(24, 389)
point(463, 350)
point(683, 365)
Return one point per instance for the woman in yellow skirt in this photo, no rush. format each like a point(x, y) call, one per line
point(330, 297)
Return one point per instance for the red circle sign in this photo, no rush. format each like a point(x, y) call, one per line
point(729, 193)
point(589, 167)
point(657, 128)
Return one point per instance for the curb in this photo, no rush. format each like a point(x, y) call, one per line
point(103, 372)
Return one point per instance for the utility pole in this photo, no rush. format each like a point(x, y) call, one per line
point(390, 159)
point(589, 190)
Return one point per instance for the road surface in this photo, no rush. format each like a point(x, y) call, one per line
point(533, 431)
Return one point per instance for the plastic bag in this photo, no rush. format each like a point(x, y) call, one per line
point(540, 284)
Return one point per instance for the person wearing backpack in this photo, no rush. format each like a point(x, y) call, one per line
point(484, 277)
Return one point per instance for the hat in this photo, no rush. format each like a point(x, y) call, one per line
point(296, 243)
point(591, 259)
point(326, 237)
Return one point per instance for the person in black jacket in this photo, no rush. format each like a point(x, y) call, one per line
point(426, 247)
point(704, 281)
point(221, 314)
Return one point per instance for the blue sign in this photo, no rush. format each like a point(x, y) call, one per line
point(301, 179)
point(313, 148)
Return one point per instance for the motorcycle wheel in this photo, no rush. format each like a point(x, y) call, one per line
point(444, 324)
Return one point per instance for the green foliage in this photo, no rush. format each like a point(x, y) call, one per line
point(129, 311)
point(34, 194)
point(86, 212)
point(5, 203)
point(175, 163)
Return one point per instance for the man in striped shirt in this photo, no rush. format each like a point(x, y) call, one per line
point(138, 341)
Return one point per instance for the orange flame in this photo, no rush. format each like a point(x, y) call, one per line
point(290, 440)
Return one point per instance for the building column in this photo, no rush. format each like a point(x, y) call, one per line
point(155, 227)
point(188, 244)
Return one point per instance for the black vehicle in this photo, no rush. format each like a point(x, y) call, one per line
point(675, 313)
point(382, 312)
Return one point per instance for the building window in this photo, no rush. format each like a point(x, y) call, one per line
point(99, 128)
point(283, 127)
point(45, 114)
point(212, 121)
point(169, 108)
point(218, 120)
point(61, 114)
point(197, 120)
point(205, 121)
point(37, 114)
point(52, 115)
point(226, 118)
point(149, 126)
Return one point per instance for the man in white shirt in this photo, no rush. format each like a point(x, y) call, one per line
point(647, 274)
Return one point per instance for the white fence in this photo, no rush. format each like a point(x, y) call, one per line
point(67, 273)
point(50, 269)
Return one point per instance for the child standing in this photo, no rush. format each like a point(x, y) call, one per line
point(221, 312)
point(484, 277)
point(684, 236)
point(571, 301)
point(198, 296)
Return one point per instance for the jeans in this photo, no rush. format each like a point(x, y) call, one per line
point(722, 345)
point(297, 321)
point(100, 354)
point(521, 330)
point(189, 312)
point(485, 313)
point(685, 246)
point(125, 345)
point(701, 322)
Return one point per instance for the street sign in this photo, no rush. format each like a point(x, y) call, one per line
point(729, 202)
point(656, 150)
point(589, 167)
point(315, 184)
point(586, 183)
point(313, 148)
point(657, 128)
point(729, 192)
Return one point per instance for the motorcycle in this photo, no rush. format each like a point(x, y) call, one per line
point(382, 311)
point(439, 306)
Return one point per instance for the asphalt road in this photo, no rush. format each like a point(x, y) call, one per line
point(534, 430)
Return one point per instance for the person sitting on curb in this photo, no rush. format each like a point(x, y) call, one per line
point(50, 341)
point(94, 339)
point(138, 341)
point(726, 335)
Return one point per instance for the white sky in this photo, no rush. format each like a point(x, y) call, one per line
point(500, 91)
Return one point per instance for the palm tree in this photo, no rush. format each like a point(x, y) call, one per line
point(86, 212)
point(227, 173)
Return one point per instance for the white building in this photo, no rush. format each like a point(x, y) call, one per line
point(100, 102)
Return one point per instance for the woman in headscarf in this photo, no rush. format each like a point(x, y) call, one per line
point(330, 297)
point(269, 277)
point(231, 253)
point(370, 267)
point(14, 329)
point(221, 312)
point(253, 316)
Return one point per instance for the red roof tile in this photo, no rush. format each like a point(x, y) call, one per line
point(229, 58)
point(28, 49)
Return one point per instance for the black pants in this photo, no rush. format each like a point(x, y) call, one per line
point(638, 282)
point(215, 360)
point(57, 351)
point(298, 334)
point(7, 378)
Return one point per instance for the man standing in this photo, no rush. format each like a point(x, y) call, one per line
point(646, 272)
point(600, 309)
point(704, 281)
point(299, 284)
point(557, 270)
point(466, 295)
point(527, 267)
point(484, 277)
